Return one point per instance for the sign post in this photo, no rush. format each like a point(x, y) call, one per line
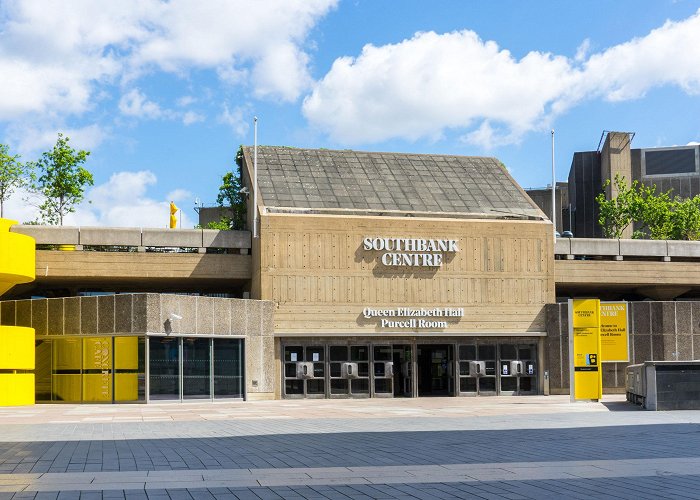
point(586, 377)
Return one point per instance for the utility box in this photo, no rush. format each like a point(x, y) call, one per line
point(664, 385)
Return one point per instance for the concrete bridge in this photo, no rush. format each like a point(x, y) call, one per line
point(204, 260)
point(138, 260)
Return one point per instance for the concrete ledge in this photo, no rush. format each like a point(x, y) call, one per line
point(50, 235)
point(125, 236)
point(683, 249)
point(212, 238)
point(562, 246)
point(643, 248)
point(594, 246)
point(191, 238)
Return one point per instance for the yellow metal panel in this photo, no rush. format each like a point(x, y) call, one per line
point(16, 389)
point(97, 386)
point(66, 387)
point(17, 257)
point(126, 353)
point(126, 387)
point(614, 336)
point(588, 377)
point(67, 354)
point(97, 353)
point(16, 348)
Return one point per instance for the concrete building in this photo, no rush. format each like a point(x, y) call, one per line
point(669, 168)
point(363, 275)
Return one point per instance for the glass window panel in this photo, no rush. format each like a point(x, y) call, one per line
point(294, 386)
point(379, 369)
point(382, 386)
point(314, 354)
point(508, 351)
point(290, 370)
point(339, 386)
point(338, 353)
point(526, 384)
point(490, 367)
point(164, 367)
point(359, 353)
point(464, 367)
point(525, 352)
point(128, 369)
point(336, 370)
point(196, 368)
point(487, 384)
point(315, 386)
point(360, 386)
point(319, 370)
point(66, 371)
point(487, 352)
point(382, 353)
point(228, 368)
point(42, 370)
point(293, 353)
point(467, 352)
point(363, 369)
point(509, 384)
point(467, 384)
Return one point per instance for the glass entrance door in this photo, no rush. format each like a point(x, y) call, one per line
point(196, 368)
point(304, 371)
point(383, 371)
point(517, 369)
point(435, 370)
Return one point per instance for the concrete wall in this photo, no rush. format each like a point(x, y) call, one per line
point(659, 331)
point(146, 314)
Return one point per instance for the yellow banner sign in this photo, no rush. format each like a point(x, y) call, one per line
point(614, 340)
point(584, 331)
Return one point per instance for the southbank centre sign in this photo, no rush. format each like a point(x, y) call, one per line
point(410, 252)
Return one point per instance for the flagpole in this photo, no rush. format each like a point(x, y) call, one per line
point(554, 198)
point(255, 177)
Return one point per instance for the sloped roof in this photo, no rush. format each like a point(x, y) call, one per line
point(356, 180)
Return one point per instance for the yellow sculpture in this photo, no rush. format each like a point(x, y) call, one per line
point(173, 217)
point(17, 264)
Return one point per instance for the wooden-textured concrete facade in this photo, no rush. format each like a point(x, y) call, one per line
point(314, 267)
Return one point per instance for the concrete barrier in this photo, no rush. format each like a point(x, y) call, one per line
point(643, 248)
point(562, 246)
point(684, 249)
point(113, 236)
point(50, 235)
point(595, 246)
point(212, 238)
point(186, 238)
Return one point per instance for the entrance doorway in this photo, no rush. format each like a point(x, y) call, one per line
point(435, 369)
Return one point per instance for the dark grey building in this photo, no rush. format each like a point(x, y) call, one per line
point(674, 168)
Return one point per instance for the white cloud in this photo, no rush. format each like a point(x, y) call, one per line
point(235, 119)
point(190, 117)
point(122, 201)
point(30, 138)
point(55, 56)
point(423, 86)
point(135, 103)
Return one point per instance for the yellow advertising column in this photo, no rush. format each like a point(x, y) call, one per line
point(586, 377)
point(17, 258)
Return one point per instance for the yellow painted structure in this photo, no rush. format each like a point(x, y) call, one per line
point(584, 334)
point(17, 263)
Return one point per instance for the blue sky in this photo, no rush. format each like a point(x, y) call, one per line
point(162, 93)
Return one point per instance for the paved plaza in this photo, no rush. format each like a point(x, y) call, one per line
point(499, 447)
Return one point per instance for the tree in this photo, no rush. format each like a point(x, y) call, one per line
point(657, 216)
point(231, 199)
point(13, 174)
point(61, 180)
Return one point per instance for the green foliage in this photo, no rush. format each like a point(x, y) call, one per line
point(231, 199)
point(13, 174)
point(656, 216)
point(61, 180)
